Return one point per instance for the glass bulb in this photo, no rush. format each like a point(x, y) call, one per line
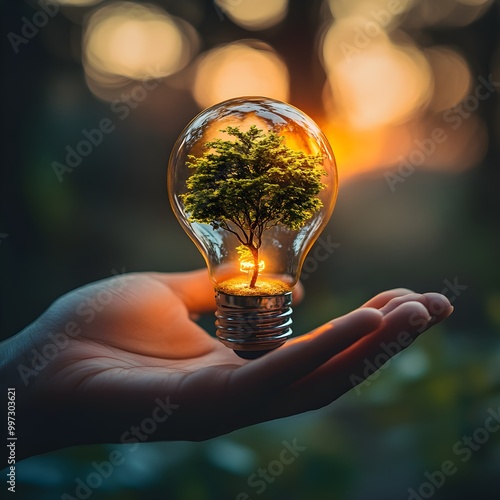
point(253, 182)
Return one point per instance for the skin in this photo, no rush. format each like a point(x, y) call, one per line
point(141, 343)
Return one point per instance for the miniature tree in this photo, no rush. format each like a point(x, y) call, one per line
point(252, 184)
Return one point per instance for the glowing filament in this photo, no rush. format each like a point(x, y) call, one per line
point(247, 265)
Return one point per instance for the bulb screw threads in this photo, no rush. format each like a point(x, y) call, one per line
point(253, 325)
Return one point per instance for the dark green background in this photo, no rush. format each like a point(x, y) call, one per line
point(112, 213)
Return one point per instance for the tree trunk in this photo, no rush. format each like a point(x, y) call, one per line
point(255, 274)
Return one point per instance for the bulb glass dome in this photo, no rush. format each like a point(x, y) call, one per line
point(253, 182)
point(283, 241)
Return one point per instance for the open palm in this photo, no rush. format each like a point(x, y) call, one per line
point(136, 353)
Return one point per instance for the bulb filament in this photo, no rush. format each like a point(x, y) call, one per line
point(247, 266)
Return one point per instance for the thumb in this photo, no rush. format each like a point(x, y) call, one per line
point(194, 288)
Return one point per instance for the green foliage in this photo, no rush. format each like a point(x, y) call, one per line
point(252, 184)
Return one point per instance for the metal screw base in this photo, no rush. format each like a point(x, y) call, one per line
point(253, 325)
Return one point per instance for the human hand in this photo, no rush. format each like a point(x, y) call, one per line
point(132, 349)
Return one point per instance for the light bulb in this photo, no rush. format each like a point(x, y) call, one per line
point(253, 182)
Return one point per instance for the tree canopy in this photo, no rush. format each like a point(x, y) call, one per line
point(251, 184)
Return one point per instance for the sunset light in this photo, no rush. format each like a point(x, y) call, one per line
point(239, 69)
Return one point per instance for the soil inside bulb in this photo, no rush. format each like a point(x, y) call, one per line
point(263, 287)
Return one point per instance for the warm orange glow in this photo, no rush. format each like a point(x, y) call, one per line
point(254, 14)
point(247, 265)
point(385, 96)
point(240, 69)
point(263, 286)
point(385, 148)
point(352, 159)
point(137, 41)
point(383, 84)
point(390, 97)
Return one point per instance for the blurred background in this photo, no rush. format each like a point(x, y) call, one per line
point(407, 91)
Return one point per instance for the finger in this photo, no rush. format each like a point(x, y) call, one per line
point(353, 366)
point(303, 354)
point(436, 304)
point(381, 299)
point(399, 327)
point(194, 288)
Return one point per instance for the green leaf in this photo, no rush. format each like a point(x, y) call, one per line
point(252, 183)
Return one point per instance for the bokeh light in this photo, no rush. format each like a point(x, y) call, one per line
point(382, 84)
point(254, 14)
point(348, 67)
point(352, 158)
point(385, 14)
point(346, 38)
point(242, 68)
point(427, 13)
point(135, 41)
point(385, 90)
point(452, 78)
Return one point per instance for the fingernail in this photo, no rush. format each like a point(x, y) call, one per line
point(451, 310)
point(437, 304)
point(434, 319)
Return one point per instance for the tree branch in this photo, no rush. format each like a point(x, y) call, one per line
point(225, 226)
